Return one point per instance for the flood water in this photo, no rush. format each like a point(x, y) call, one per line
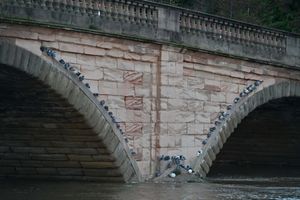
point(283, 189)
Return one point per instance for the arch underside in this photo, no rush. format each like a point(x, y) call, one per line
point(51, 126)
point(265, 143)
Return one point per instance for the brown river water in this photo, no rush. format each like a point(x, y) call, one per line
point(281, 188)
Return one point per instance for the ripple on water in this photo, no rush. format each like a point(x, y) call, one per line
point(213, 189)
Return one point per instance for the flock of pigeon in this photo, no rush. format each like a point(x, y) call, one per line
point(49, 52)
point(179, 159)
point(223, 115)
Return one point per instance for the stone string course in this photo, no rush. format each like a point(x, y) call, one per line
point(166, 98)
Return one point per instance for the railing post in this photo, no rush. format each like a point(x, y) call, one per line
point(293, 48)
point(168, 19)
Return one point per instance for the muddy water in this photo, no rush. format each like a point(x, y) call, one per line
point(285, 189)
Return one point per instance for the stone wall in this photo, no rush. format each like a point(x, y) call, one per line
point(195, 87)
point(164, 97)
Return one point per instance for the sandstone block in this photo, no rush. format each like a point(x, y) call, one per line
point(113, 75)
point(47, 171)
point(68, 47)
point(133, 77)
point(212, 85)
point(49, 157)
point(177, 104)
point(134, 103)
point(187, 141)
point(166, 141)
point(211, 107)
point(86, 60)
point(97, 165)
point(30, 45)
point(203, 117)
point(19, 32)
point(195, 128)
point(170, 92)
point(115, 53)
point(52, 45)
point(218, 97)
point(106, 62)
point(95, 74)
point(177, 116)
point(148, 58)
point(94, 51)
point(177, 128)
point(132, 56)
point(70, 171)
point(125, 64)
point(142, 67)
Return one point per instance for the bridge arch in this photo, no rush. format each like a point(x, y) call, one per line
point(116, 165)
point(274, 92)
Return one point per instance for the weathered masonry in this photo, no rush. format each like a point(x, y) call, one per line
point(165, 73)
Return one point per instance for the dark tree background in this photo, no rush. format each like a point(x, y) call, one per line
point(280, 14)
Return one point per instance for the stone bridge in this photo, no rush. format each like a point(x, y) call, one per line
point(165, 75)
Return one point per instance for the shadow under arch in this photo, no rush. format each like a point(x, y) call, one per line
point(278, 90)
point(116, 165)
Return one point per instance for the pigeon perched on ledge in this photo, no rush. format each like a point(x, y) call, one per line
point(257, 83)
point(236, 100)
point(212, 129)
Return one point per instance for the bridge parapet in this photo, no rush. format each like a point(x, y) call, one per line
point(144, 20)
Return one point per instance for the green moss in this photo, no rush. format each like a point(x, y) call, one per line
point(93, 27)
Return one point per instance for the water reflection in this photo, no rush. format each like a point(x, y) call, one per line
point(277, 189)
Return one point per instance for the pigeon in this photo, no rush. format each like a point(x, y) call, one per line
point(87, 85)
point(208, 135)
point(172, 175)
point(229, 107)
point(217, 123)
point(75, 71)
point(221, 117)
point(161, 157)
point(166, 158)
point(199, 152)
point(96, 94)
point(81, 78)
point(204, 142)
point(224, 114)
point(257, 83)
point(243, 94)
point(67, 66)
point(182, 157)
point(126, 139)
point(43, 49)
point(246, 91)
point(132, 152)
point(51, 53)
point(61, 61)
point(236, 100)
point(113, 119)
point(212, 129)
point(251, 88)
point(106, 108)
point(102, 102)
point(110, 113)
